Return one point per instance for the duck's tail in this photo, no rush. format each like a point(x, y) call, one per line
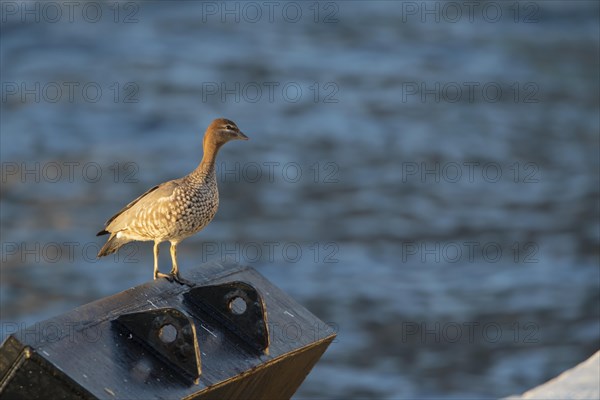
point(113, 244)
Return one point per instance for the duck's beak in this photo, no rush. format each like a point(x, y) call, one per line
point(241, 136)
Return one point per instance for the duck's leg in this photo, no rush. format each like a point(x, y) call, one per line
point(156, 273)
point(175, 268)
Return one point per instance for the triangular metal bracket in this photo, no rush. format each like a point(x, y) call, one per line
point(239, 307)
point(169, 333)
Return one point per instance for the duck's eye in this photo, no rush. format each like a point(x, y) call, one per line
point(229, 127)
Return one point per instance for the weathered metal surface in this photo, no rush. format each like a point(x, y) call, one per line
point(219, 301)
point(167, 332)
point(85, 353)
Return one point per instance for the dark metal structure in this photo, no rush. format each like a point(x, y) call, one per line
point(230, 335)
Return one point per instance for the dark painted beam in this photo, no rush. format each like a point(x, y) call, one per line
point(231, 334)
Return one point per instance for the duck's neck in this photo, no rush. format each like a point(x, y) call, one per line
point(207, 165)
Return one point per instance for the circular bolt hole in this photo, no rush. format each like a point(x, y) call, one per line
point(167, 334)
point(237, 305)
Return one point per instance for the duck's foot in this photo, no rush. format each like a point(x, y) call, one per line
point(168, 277)
point(177, 278)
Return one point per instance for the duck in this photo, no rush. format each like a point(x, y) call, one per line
point(175, 210)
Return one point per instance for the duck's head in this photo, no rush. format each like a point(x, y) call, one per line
point(221, 131)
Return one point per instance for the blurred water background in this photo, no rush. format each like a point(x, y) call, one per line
point(421, 175)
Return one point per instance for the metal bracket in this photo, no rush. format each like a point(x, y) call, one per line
point(239, 307)
point(169, 333)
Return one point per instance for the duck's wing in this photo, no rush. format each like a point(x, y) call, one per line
point(151, 195)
